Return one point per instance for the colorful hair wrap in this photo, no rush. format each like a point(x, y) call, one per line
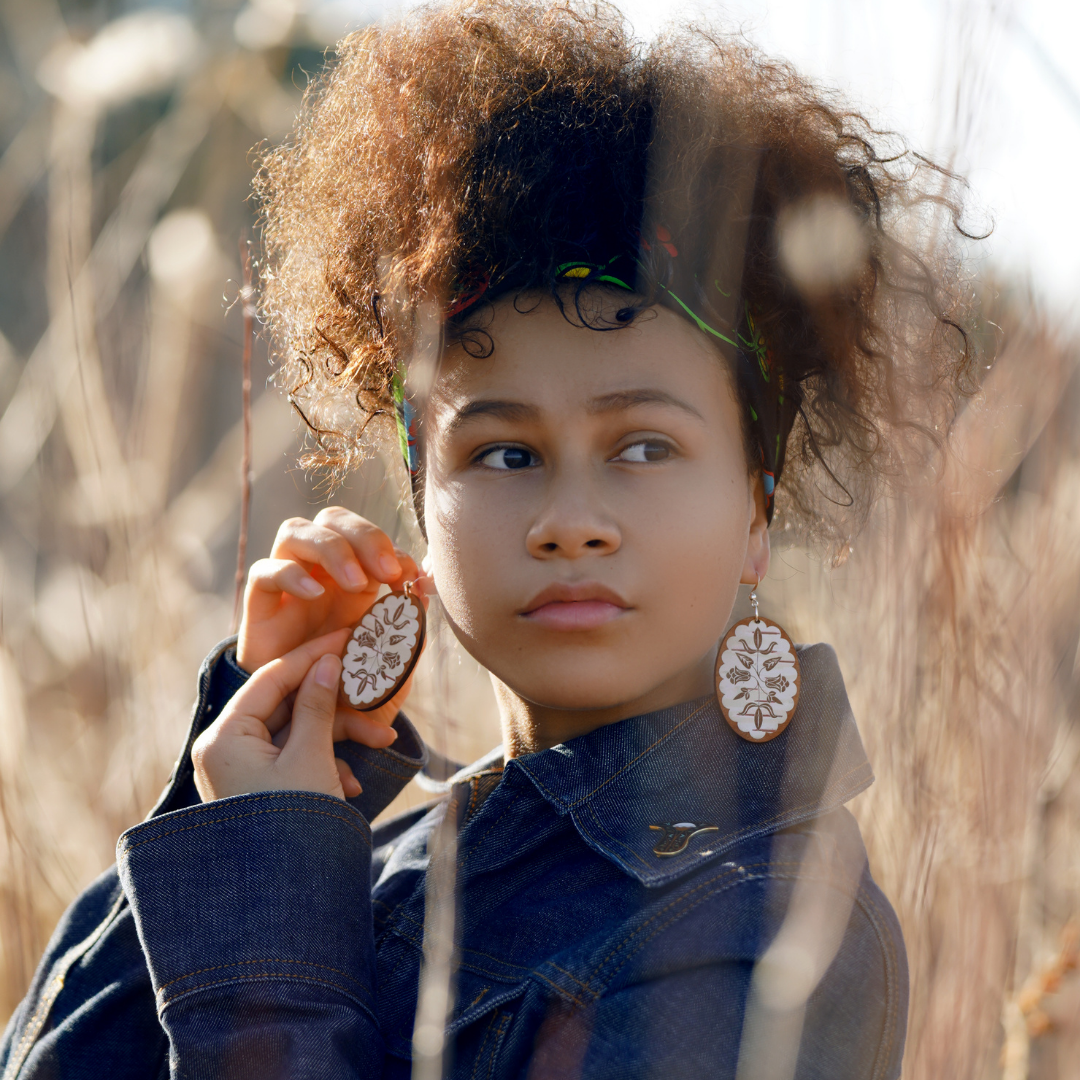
point(772, 404)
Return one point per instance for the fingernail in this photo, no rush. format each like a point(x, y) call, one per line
point(326, 674)
point(390, 566)
point(310, 587)
point(354, 575)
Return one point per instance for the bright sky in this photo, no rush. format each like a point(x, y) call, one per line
point(994, 83)
point(991, 86)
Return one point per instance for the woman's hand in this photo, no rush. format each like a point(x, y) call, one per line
point(322, 576)
point(257, 744)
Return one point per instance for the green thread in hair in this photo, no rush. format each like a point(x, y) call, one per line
point(701, 323)
point(397, 389)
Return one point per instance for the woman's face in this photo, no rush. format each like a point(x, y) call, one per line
point(589, 509)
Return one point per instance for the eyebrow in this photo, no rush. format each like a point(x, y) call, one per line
point(627, 399)
point(519, 412)
point(501, 410)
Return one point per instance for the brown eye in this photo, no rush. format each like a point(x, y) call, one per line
point(645, 451)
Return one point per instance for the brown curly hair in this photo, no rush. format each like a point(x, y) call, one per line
point(475, 146)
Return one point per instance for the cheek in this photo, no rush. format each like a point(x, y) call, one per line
point(469, 552)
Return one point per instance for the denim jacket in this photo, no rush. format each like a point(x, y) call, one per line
point(657, 898)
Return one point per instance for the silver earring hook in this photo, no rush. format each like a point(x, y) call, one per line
point(754, 596)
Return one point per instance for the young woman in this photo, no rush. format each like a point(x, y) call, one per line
point(580, 281)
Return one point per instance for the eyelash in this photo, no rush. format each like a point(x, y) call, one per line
point(649, 444)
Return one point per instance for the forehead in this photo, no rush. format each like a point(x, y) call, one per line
point(541, 354)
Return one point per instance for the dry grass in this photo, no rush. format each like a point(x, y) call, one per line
point(955, 618)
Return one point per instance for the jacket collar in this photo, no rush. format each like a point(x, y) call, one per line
point(680, 780)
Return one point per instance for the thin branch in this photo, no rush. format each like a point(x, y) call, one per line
point(247, 294)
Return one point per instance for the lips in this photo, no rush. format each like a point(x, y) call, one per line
point(575, 607)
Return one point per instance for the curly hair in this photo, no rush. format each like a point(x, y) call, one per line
point(473, 147)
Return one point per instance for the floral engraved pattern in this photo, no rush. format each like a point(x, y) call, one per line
point(381, 651)
point(757, 679)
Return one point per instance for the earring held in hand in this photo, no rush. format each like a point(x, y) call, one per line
point(757, 677)
point(383, 649)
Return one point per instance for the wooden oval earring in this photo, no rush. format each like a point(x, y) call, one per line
point(383, 649)
point(757, 677)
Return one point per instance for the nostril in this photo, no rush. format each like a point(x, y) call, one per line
point(550, 546)
point(594, 543)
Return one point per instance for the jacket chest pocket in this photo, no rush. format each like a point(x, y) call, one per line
point(483, 1011)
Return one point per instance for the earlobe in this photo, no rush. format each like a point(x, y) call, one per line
point(758, 550)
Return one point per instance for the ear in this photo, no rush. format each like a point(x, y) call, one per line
point(756, 565)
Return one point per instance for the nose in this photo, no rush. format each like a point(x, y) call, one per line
point(572, 524)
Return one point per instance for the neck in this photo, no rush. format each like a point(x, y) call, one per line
point(528, 726)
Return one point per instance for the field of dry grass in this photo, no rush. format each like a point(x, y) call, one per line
point(955, 617)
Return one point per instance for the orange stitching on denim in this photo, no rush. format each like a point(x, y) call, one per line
point(682, 899)
point(129, 847)
point(796, 875)
point(256, 796)
point(476, 1000)
point(730, 838)
point(408, 774)
point(268, 960)
point(467, 854)
point(462, 949)
point(696, 903)
point(484, 1041)
point(33, 1027)
point(888, 1037)
point(614, 841)
point(584, 986)
point(503, 1021)
point(477, 969)
point(268, 978)
point(562, 990)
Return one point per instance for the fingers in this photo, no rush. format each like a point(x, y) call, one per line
point(262, 695)
point(312, 733)
point(283, 575)
point(311, 542)
point(349, 548)
point(369, 729)
point(349, 784)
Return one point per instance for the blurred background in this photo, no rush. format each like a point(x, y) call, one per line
point(126, 132)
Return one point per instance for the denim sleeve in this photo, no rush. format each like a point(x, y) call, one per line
point(254, 914)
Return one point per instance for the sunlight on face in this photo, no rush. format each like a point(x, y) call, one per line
point(589, 508)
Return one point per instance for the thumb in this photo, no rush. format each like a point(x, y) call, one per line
point(312, 731)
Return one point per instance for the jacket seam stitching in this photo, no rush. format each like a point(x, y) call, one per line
point(884, 1051)
point(503, 1020)
point(406, 773)
point(888, 1038)
point(343, 990)
point(483, 1045)
point(268, 960)
point(629, 765)
point(129, 847)
point(570, 975)
point(822, 801)
point(471, 849)
point(698, 901)
point(563, 991)
point(683, 900)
